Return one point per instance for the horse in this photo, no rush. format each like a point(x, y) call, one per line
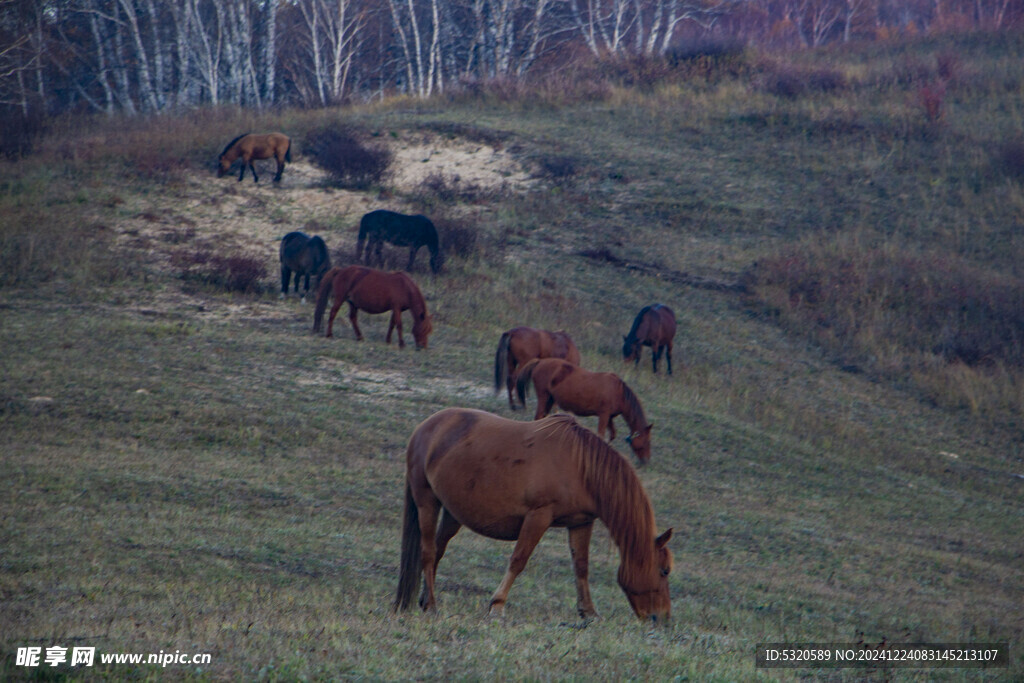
point(304, 256)
point(584, 393)
point(373, 291)
point(252, 147)
point(512, 480)
point(522, 344)
point(654, 326)
point(382, 226)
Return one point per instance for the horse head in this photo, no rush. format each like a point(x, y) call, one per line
point(630, 349)
point(640, 442)
point(421, 329)
point(646, 587)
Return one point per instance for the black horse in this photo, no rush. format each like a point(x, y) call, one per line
point(304, 256)
point(382, 226)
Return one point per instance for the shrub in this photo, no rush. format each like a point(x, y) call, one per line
point(237, 272)
point(557, 168)
point(18, 131)
point(884, 304)
point(458, 237)
point(790, 81)
point(1009, 158)
point(349, 163)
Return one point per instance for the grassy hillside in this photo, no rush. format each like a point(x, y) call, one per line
point(839, 450)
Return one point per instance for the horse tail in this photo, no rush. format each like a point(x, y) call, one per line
point(410, 565)
point(501, 361)
point(322, 295)
point(288, 152)
point(364, 231)
point(523, 379)
point(434, 246)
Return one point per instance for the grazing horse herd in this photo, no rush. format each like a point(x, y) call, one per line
point(502, 478)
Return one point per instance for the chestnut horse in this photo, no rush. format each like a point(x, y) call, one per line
point(512, 480)
point(522, 344)
point(373, 291)
point(303, 256)
point(654, 326)
point(252, 147)
point(587, 393)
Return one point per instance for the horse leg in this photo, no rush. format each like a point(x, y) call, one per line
point(449, 527)
point(280, 170)
point(535, 523)
point(396, 321)
point(352, 313)
point(668, 357)
point(579, 549)
point(379, 251)
point(428, 511)
point(604, 424)
point(330, 319)
point(510, 382)
point(655, 355)
point(305, 289)
point(255, 179)
point(286, 276)
point(412, 257)
point(545, 402)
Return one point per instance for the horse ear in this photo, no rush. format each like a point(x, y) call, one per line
point(649, 427)
point(660, 541)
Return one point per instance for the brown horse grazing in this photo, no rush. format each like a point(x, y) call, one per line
point(522, 344)
point(512, 480)
point(654, 326)
point(587, 393)
point(252, 147)
point(373, 291)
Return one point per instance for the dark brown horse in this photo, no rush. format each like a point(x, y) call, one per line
point(654, 326)
point(251, 147)
point(380, 226)
point(303, 256)
point(587, 393)
point(513, 480)
point(522, 344)
point(373, 291)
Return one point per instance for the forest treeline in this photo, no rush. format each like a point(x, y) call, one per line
point(134, 56)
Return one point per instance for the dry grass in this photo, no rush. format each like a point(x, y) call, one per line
point(191, 469)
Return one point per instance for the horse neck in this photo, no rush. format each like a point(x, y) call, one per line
point(637, 322)
point(417, 304)
point(621, 502)
point(632, 411)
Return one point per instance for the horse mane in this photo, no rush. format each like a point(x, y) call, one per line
point(622, 503)
point(232, 143)
point(633, 407)
point(636, 322)
point(416, 299)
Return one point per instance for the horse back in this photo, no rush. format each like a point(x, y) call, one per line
point(487, 471)
point(665, 323)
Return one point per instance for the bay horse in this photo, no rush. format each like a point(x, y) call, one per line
point(380, 226)
point(251, 147)
point(512, 480)
point(586, 393)
point(304, 256)
point(373, 291)
point(522, 344)
point(654, 326)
